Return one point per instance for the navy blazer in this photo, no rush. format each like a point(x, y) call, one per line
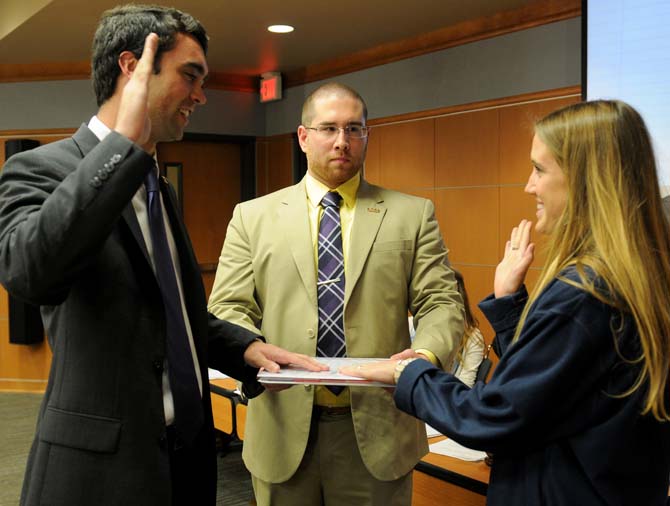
point(553, 413)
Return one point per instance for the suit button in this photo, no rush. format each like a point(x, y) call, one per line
point(158, 365)
point(116, 158)
point(95, 182)
point(310, 332)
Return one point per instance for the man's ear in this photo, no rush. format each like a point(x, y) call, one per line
point(127, 63)
point(302, 138)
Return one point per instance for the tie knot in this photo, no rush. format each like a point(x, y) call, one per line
point(151, 181)
point(331, 199)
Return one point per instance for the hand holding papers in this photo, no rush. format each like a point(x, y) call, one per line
point(295, 375)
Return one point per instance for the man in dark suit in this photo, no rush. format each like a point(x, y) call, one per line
point(79, 238)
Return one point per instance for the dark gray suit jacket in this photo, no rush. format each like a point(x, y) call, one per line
point(70, 242)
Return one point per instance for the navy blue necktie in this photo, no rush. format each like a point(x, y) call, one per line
point(330, 282)
point(181, 369)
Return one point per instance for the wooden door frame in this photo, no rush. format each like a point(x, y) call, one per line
point(247, 145)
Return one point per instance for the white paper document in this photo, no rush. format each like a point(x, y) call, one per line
point(451, 448)
point(293, 375)
point(213, 374)
point(432, 432)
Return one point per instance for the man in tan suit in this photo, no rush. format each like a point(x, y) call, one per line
point(311, 446)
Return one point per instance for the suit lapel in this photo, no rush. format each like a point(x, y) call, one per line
point(368, 217)
point(294, 223)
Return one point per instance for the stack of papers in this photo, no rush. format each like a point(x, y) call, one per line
point(293, 375)
point(451, 448)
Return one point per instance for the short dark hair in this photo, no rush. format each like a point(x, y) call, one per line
point(124, 28)
point(324, 89)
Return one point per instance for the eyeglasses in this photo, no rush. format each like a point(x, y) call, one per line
point(332, 131)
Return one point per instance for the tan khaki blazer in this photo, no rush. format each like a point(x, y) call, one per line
point(266, 281)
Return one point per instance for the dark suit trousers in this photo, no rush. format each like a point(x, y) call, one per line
point(189, 487)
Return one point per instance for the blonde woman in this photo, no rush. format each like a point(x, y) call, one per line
point(576, 411)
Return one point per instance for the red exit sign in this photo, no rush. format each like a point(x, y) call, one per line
point(270, 87)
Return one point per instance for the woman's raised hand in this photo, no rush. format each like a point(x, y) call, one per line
point(519, 254)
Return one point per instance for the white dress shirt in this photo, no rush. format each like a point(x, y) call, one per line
point(140, 205)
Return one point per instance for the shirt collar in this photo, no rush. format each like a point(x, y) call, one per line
point(99, 128)
point(347, 190)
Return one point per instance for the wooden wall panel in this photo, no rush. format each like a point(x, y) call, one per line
point(407, 154)
point(211, 174)
point(372, 164)
point(208, 280)
point(468, 219)
point(280, 167)
point(466, 149)
point(261, 168)
point(516, 135)
point(274, 163)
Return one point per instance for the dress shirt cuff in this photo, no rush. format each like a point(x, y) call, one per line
point(405, 387)
point(430, 356)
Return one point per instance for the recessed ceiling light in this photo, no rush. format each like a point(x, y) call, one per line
point(280, 28)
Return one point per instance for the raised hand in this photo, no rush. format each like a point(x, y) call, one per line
point(519, 254)
point(132, 119)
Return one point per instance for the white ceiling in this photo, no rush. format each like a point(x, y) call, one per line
point(50, 31)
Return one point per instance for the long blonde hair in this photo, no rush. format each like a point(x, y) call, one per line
point(613, 224)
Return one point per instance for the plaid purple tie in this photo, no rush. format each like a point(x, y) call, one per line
point(183, 381)
point(330, 283)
